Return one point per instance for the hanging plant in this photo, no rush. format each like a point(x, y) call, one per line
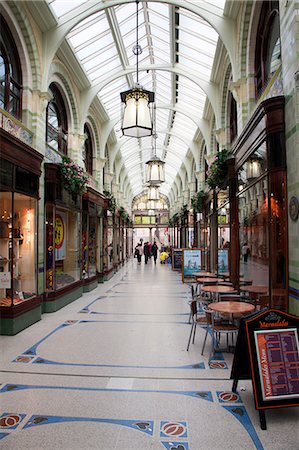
point(197, 201)
point(217, 171)
point(72, 176)
point(184, 213)
point(123, 214)
point(174, 220)
point(112, 201)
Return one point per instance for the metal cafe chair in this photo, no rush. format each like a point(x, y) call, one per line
point(216, 329)
point(197, 318)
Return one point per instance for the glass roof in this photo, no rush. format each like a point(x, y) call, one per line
point(103, 44)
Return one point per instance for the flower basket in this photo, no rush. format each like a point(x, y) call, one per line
point(73, 178)
point(112, 201)
point(197, 201)
point(217, 171)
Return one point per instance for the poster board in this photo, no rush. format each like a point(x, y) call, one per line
point(223, 260)
point(270, 358)
point(191, 263)
point(177, 255)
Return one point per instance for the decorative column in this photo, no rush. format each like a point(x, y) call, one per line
point(214, 234)
point(76, 148)
point(234, 250)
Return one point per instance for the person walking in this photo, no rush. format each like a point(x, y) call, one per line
point(155, 251)
point(139, 252)
point(245, 252)
point(146, 251)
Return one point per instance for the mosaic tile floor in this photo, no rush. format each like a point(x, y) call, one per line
point(111, 371)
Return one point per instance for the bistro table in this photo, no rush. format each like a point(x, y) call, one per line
point(201, 280)
point(218, 289)
point(204, 274)
point(231, 307)
point(254, 291)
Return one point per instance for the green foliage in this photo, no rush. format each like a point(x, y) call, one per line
point(174, 220)
point(197, 201)
point(72, 176)
point(112, 201)
point(184, 213)
point(217, 171)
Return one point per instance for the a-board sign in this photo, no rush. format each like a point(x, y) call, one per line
point(272, 355)
point(177, 254)
point(223, 260)
point(191, 263)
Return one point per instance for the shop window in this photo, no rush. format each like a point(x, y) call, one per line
point(88, 147)
point(10, 72)
point(57, 125)
point(6, 174)
point(254, 232)
point(267, 55)
point(233, 120)
point(109, 252)
point(62, 244)
point(17, 248)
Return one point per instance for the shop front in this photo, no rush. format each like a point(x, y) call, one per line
point(92, 239)
point(20, 304)
point(261, 192)
point(62, 243)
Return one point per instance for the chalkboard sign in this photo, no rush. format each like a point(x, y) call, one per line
point(191, 263)
point(267, 351)
point(177, 254)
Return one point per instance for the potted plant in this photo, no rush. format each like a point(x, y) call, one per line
point(73, 176)
point(197, 201)
point(217, 172)
point(112, 201)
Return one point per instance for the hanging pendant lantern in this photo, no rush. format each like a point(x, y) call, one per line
point(153, 193)
point(137, 120)
point(155, 171)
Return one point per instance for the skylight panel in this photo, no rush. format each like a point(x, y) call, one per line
point(86, 34)
point(61, 7)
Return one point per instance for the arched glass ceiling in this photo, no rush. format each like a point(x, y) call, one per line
point(171, 38)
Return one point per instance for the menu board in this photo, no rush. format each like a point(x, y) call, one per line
point(278, 363)
point(191, 262)
point(177, 254)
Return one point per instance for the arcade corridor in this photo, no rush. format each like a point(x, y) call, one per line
point(111, 371)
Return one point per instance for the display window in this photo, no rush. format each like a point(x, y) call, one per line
point(100, 240)
point(254, 233)
point(109, 240)
point(18, 243)
point(89, 246)
point(62, 247)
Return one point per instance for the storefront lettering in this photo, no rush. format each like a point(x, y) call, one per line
point(283, 323)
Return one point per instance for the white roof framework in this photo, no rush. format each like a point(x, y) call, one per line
point(170, 36)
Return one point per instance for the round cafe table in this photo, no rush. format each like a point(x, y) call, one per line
point(232, 307)
point(201, 280)
point(217, 289)
point(254, 291)
point(204, 274)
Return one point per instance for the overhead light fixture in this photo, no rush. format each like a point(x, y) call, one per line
point(137, 120)
point(153, 193)
point(155, 165)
